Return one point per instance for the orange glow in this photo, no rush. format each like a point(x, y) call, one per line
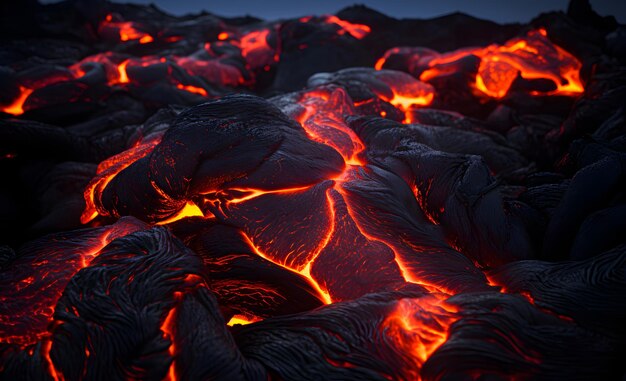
point(432, 73)
point(52, 371)
point(222, 36)
point(254, 41)
point(193, 89)
point(189, 210)
point(255, 49)
point(106, 171)
point(214, 71)
point(17, 107)
point(31, 322)
point(116, 73)
point(245, 194)
point(323, 122)
point(306, 271)
point(528, 296)
point(422, 203)
point(167, 327)
point(405, 102)
point(242, 320)
point(121, 68)
point(323, 294)
point(418, 327)
point(533, 56)
point(407, 96)
point(357, 31)
point(407, 274)
point(127, 30)
point(87, 257)
point(381, 61)
point(146, 39)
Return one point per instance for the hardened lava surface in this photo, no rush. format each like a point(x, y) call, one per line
point(331, 197)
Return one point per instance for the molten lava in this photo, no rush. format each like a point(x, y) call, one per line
point(419, 326)
point(406, 98)
point(255, 42)
point(323, 122)
point(533, 57)
point(324, 296)
point(193, 89)
point(39, 278)
point(357, 31)
point(242, 320)
point(127, 30)
point(106, 172)
point(313, 226)
point(530, 57)
point(167, 327)
point(17, 107)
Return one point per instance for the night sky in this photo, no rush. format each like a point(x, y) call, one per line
point(497, 10)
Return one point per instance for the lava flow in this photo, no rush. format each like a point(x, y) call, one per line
point(127, 30)
point(38, 279)
point(322, 115)
point(531, 57)
point(418, 327)
point(319, 239)
point(235, 198)
point(357, 31)
point(106, 172)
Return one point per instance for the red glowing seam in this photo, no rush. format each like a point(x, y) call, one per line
point(528, 296)
point(324, 296)
point(357, 31)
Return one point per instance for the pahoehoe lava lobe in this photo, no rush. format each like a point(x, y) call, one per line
point(237, 142)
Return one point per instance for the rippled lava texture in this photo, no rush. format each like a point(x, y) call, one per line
point(335, 197)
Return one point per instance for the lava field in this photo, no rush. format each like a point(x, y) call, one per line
point(334, 197)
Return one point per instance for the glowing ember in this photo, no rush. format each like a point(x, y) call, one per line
point(242, 320)
point(17, 107)
point(193, 89)
point(167, 327)
point(189, 210)
point(121, 68)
